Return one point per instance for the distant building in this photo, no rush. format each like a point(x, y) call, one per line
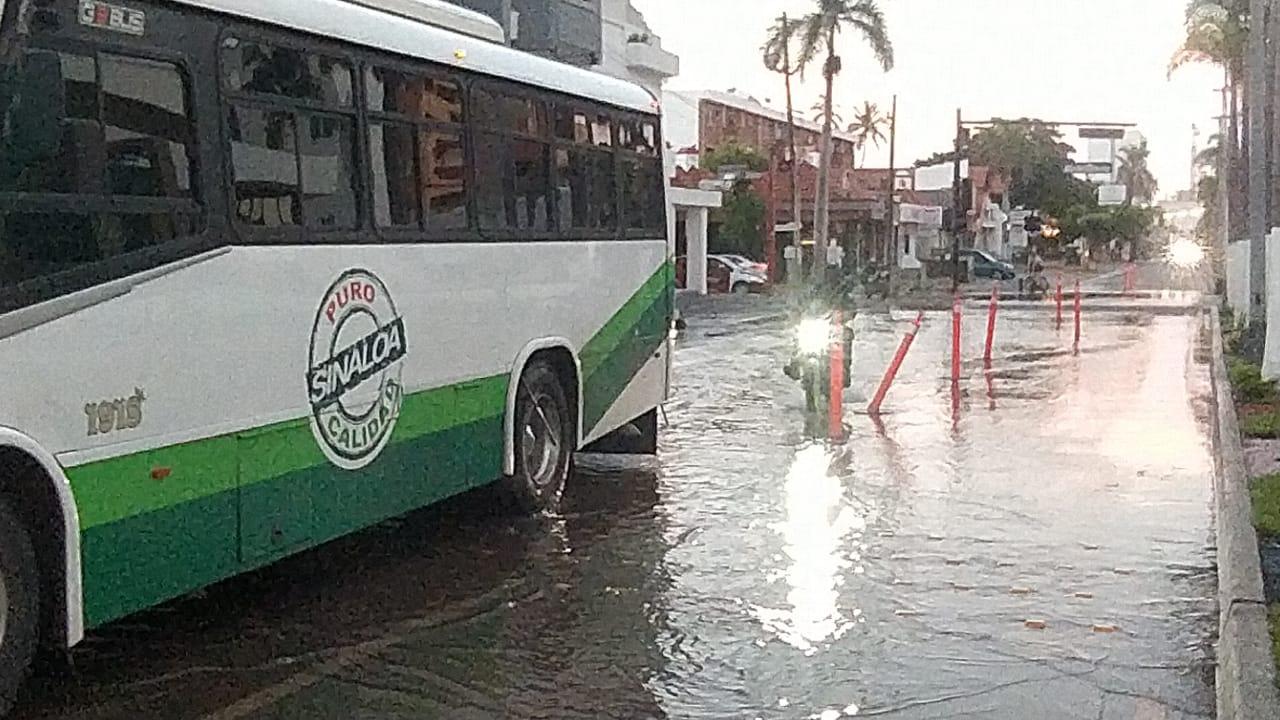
point(630, 50)
point(567, 30)
point(985, 194)
point(706, 119)
point(696, 123)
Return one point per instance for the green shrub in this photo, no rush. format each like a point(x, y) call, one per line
point(1232, 339)
point(1265, 492)
point(1261, 425)
point(1247, 385)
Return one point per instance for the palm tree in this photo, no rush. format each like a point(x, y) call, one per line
point(1135, 174)
point(819, 109)
point(820, 30)
point(1218, 34)
point(778, 58)
point(1209, 157)
point(868, 126)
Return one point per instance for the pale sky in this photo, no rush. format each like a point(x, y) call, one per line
point(1067, 60)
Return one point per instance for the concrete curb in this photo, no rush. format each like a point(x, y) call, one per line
point(1246, 672)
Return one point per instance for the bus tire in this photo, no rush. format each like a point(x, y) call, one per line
point(544, 441)
point(19, 606)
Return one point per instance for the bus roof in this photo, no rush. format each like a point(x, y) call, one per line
point(400, 26)
point(442, 14)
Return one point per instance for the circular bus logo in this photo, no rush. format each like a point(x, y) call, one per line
point(353, 371)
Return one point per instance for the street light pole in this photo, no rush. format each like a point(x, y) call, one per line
point(891, 238)
point(957, 206)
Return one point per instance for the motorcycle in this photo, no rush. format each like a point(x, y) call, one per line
point(810, 364)
point(875, 281)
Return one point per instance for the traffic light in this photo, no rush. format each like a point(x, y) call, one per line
point(1034, 224)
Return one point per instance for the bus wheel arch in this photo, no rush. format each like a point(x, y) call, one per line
point(559, 353)
point(38, 491)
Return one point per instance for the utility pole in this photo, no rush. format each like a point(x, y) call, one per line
point(795, 264)
point(1195, 152)
point(891, 239)
point(771, 217)
point(958, 221)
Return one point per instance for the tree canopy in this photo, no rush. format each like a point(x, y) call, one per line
point(1032, 155)
point(733, 154)
point(741, 219)
point(1217, 33)
point(777, 51)
point(1135, 173)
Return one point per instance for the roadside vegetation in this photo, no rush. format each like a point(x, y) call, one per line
point(1258, 407)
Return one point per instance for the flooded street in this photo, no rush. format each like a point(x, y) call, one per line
point(1044, 551)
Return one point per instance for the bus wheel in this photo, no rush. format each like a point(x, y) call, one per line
point(544, 443)
point(19, 606)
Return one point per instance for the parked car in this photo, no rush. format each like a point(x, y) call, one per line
point(723, 276)
point(743, 261)
point(986, 265)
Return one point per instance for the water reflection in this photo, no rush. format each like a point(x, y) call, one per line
point(815, 526)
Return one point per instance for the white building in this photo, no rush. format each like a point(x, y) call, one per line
point(631, 51)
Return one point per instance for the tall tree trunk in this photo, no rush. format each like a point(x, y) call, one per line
point(1225, 169)
point(795, 159)
point(1256, 73)
point(1273, 113)
point(822, 215)
point(1234, 178)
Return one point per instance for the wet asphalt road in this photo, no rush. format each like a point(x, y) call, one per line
point(750, 572)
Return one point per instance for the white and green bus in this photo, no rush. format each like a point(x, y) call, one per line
point(272, 271)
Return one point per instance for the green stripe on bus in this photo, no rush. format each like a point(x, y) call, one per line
point(621, 328)
point(620, 364)
point(137, 562)
point(117, 488)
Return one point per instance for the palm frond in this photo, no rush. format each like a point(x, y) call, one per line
point(813, 32)
point(781, 36)
point(866, 17)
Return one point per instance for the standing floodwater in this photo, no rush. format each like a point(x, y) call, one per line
point(1044, 552)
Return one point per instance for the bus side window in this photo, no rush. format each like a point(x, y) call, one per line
point(148, 129)
point(265, 167)
point(417, 154)
point(512, 161)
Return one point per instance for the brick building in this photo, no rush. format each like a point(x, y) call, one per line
point(695, 123)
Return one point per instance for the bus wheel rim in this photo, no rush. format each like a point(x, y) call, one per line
point(541, 440)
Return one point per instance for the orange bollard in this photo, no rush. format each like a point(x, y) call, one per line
point(835, 406)
point(1077, 344)
point(1058, 295)
point(874, 408)
point(991, 322)
point(955, 339)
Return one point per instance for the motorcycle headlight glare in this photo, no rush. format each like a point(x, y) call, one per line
point(814, 336)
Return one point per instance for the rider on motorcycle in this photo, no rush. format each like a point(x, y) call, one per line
point(810, 363)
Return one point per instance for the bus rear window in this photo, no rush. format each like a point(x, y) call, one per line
point(109, 124)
